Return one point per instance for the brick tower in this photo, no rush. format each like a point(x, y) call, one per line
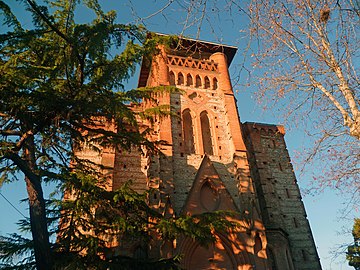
point(211, 161)
point(283, 214)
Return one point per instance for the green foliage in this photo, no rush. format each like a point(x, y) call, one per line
point(353, 254)
point(58, 79)
point(93, 217)
point(59, 83)
point(13, 247)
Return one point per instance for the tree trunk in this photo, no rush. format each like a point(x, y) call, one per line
point(39, 230)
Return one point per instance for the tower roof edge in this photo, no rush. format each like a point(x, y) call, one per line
point(207, 46)
point(191, 45)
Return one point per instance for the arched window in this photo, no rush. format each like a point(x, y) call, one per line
point(180, 79)
point(304, 255)
point(188, 132)
point(258, 244)
point(189, 80)
point(197, 81)
point(172, 78)
point(209, 197)
point(206, 133)
point(206, 82)
point(215, 84)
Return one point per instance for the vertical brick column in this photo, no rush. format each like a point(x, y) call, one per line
point(159, 74)
point(224, 77)
point(230, 102)
point(162, 165)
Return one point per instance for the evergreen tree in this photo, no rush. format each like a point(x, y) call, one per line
point(57, 81)
point(353, 254)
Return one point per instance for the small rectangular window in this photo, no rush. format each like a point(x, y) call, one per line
point(288, 193)
point(304, 255)
point(295, 223)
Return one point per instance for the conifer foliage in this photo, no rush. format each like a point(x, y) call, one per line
point(353, 254)
point(58, 79)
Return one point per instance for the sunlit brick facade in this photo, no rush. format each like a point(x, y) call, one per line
point(211, 161)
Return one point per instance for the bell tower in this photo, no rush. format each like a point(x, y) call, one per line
point(203, 165)
point(206, 121)
point(209, 161)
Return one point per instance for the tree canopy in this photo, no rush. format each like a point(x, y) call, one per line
point(58, 79)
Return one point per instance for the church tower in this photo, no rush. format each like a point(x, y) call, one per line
point(210, 161)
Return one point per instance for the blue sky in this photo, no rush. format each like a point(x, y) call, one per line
point(324, 210)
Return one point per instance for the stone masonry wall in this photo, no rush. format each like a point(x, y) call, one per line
point(280, 200)
point(205, 89)
point(250, 160)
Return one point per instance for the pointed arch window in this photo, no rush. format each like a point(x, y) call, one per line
point(215, 84)
point(206, 133)
point(189, 80)
point(258, 244)
point(180, 79)
point(197, 81)
point(172, 78)
point(188, 132)
point(206, 82)
point(209, 197)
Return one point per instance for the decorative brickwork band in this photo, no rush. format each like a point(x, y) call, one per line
point(188, 62)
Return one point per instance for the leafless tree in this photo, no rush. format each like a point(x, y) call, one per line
point(309, 55)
